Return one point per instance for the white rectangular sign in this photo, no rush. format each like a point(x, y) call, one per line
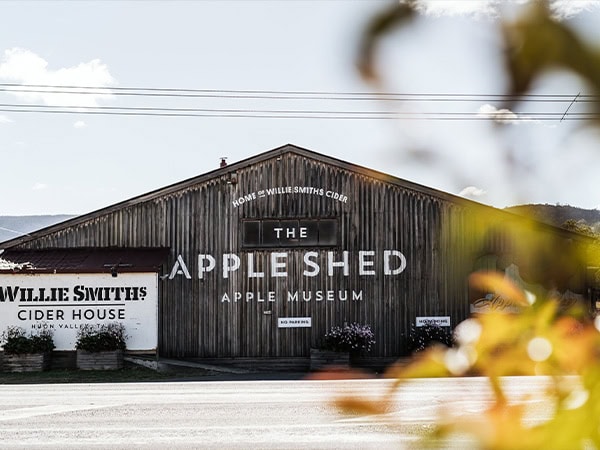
point(65, 302)
point(294, 322)
point(438, 321)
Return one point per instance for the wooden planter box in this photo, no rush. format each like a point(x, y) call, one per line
point(323, 359)
point(26, 362)
point(109, 360)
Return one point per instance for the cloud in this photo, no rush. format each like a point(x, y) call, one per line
point(25, 67)
point(499, 115)
point(502, 115)
point(4, 119)
point(565, 9)
point(39, 187)
point(458, 7)
point(80, 124)
point(561, 9)
point(472, 192)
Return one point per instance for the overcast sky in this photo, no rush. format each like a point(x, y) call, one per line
point(75, 162)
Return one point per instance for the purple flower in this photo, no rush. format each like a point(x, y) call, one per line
point(354, 337)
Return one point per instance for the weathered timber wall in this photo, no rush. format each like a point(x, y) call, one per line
point(439, 237)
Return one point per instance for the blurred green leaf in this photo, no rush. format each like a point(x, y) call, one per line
point(378, 27)
point(536, 43)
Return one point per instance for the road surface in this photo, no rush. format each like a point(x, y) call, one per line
point(294, 414)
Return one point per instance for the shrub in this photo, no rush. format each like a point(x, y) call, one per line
point(101, 337)
point(17, 342)
point(423, 337)
point(354, 338)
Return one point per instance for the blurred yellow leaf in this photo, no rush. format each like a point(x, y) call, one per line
point(497, 283)
point(524, 276)
point(426, 364)
point(353, 405)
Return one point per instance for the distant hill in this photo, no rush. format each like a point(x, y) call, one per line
point(14, 226)
point(557, 215)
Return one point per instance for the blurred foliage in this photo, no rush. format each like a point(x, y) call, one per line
point(534, 43)
point(538, 340)
point(379, 26)
point(530, 320)
point(582, 227)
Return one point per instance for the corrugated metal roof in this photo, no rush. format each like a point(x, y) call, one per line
point(84, 260)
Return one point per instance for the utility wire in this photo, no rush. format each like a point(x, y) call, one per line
point(189, 110)
point(288, 95)
point(297, 113)
point(569, 107)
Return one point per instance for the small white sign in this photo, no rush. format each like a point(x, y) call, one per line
point(294, 322)
point(438, 321)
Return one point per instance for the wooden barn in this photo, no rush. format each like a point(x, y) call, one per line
point(256, 260)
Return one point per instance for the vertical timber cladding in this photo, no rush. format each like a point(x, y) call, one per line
point(232, 294)
point(217, 315)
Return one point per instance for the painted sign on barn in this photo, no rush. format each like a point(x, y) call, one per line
point(65, 302)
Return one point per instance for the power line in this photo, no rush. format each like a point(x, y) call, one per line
point(287, 94)
point(295, 114)
point(434, 112)
point(190, 110)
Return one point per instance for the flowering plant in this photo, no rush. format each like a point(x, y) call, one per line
point(17, 342)
point(354, 337)
point(421, 338)
point(101, 338)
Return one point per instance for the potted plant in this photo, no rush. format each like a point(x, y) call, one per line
point(339, 343)
point(421, 338)
point(101, 346)
point(27, 353)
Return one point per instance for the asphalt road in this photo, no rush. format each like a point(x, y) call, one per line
point(294, 414)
